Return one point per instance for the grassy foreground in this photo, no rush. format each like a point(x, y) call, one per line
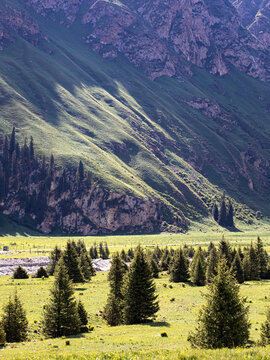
point(179, 305)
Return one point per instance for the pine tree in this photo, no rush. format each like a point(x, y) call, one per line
point(198, 268)
point(113, 308)
point(93, 252)
point(12, 143)
point(246, 266)
point(139, 292)
point(223, 320)
point(80, 172)
point(237, 269)
point(229, 220)
point(179, 267)
point(55, 256)
point(14, 321)
point(102, 254)
point(60, 315)
point(153, 266)
point(83, 316)
point(86, 266)
point(116, 275)
point(225, 250)
point(262, 257)
point(254, 264)
point(113, 311)
point(72, 263)
point(215, 213)
point(212, 262)
point(265, 330)
point(222, 216)
point(31, 149)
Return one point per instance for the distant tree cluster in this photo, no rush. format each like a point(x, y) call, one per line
point(99, 251)
point(21, 167)
point(198, 266)
point(76, 259)
point(224, 214)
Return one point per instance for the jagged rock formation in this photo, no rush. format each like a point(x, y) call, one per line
point(162, 38)
point(48, 199)
point(16, 22)
point(255, 15)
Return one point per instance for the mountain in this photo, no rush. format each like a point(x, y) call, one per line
point(164, 102)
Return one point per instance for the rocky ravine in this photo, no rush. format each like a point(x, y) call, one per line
point(160, 37)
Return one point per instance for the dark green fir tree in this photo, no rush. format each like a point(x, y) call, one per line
point(72, 263)
point(61, 315)
point(14, 321)
point(223, 320)
point(179, 267)
point(139, 291)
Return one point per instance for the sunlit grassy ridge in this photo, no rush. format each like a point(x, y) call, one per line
point(133, 134)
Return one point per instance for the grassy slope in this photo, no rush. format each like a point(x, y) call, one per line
point(80, 106)
point(176, 318)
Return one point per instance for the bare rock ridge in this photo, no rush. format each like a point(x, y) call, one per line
point(160, 37)
point(255, 16)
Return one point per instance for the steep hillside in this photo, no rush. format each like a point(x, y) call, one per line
point(178, 141)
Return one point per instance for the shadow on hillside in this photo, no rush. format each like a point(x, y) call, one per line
point(80, 289)
point(232, 229)
point(157, 324)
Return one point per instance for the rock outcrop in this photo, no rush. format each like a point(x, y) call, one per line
point(255, 15)
point(161, 38)
point(14, 22)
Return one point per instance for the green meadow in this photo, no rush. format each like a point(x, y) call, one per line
point(179, 305)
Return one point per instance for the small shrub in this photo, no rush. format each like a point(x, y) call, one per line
point(164, 334)
point(67, 342)
point(20, 273)
point(41, 273)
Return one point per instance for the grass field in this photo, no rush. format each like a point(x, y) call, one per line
point(40, 245)
point(177, 318)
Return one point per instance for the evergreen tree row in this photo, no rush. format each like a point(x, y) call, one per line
point(198, 266)
point(224, 214)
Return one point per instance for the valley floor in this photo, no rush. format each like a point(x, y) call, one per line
point(179, 305)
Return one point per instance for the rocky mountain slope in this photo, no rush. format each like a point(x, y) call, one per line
point(162, 101)
point(255, 16)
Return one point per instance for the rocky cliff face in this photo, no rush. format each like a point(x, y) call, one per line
point(14, 22)
point(255, 15)
point(161, 38)
point(91, 212)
